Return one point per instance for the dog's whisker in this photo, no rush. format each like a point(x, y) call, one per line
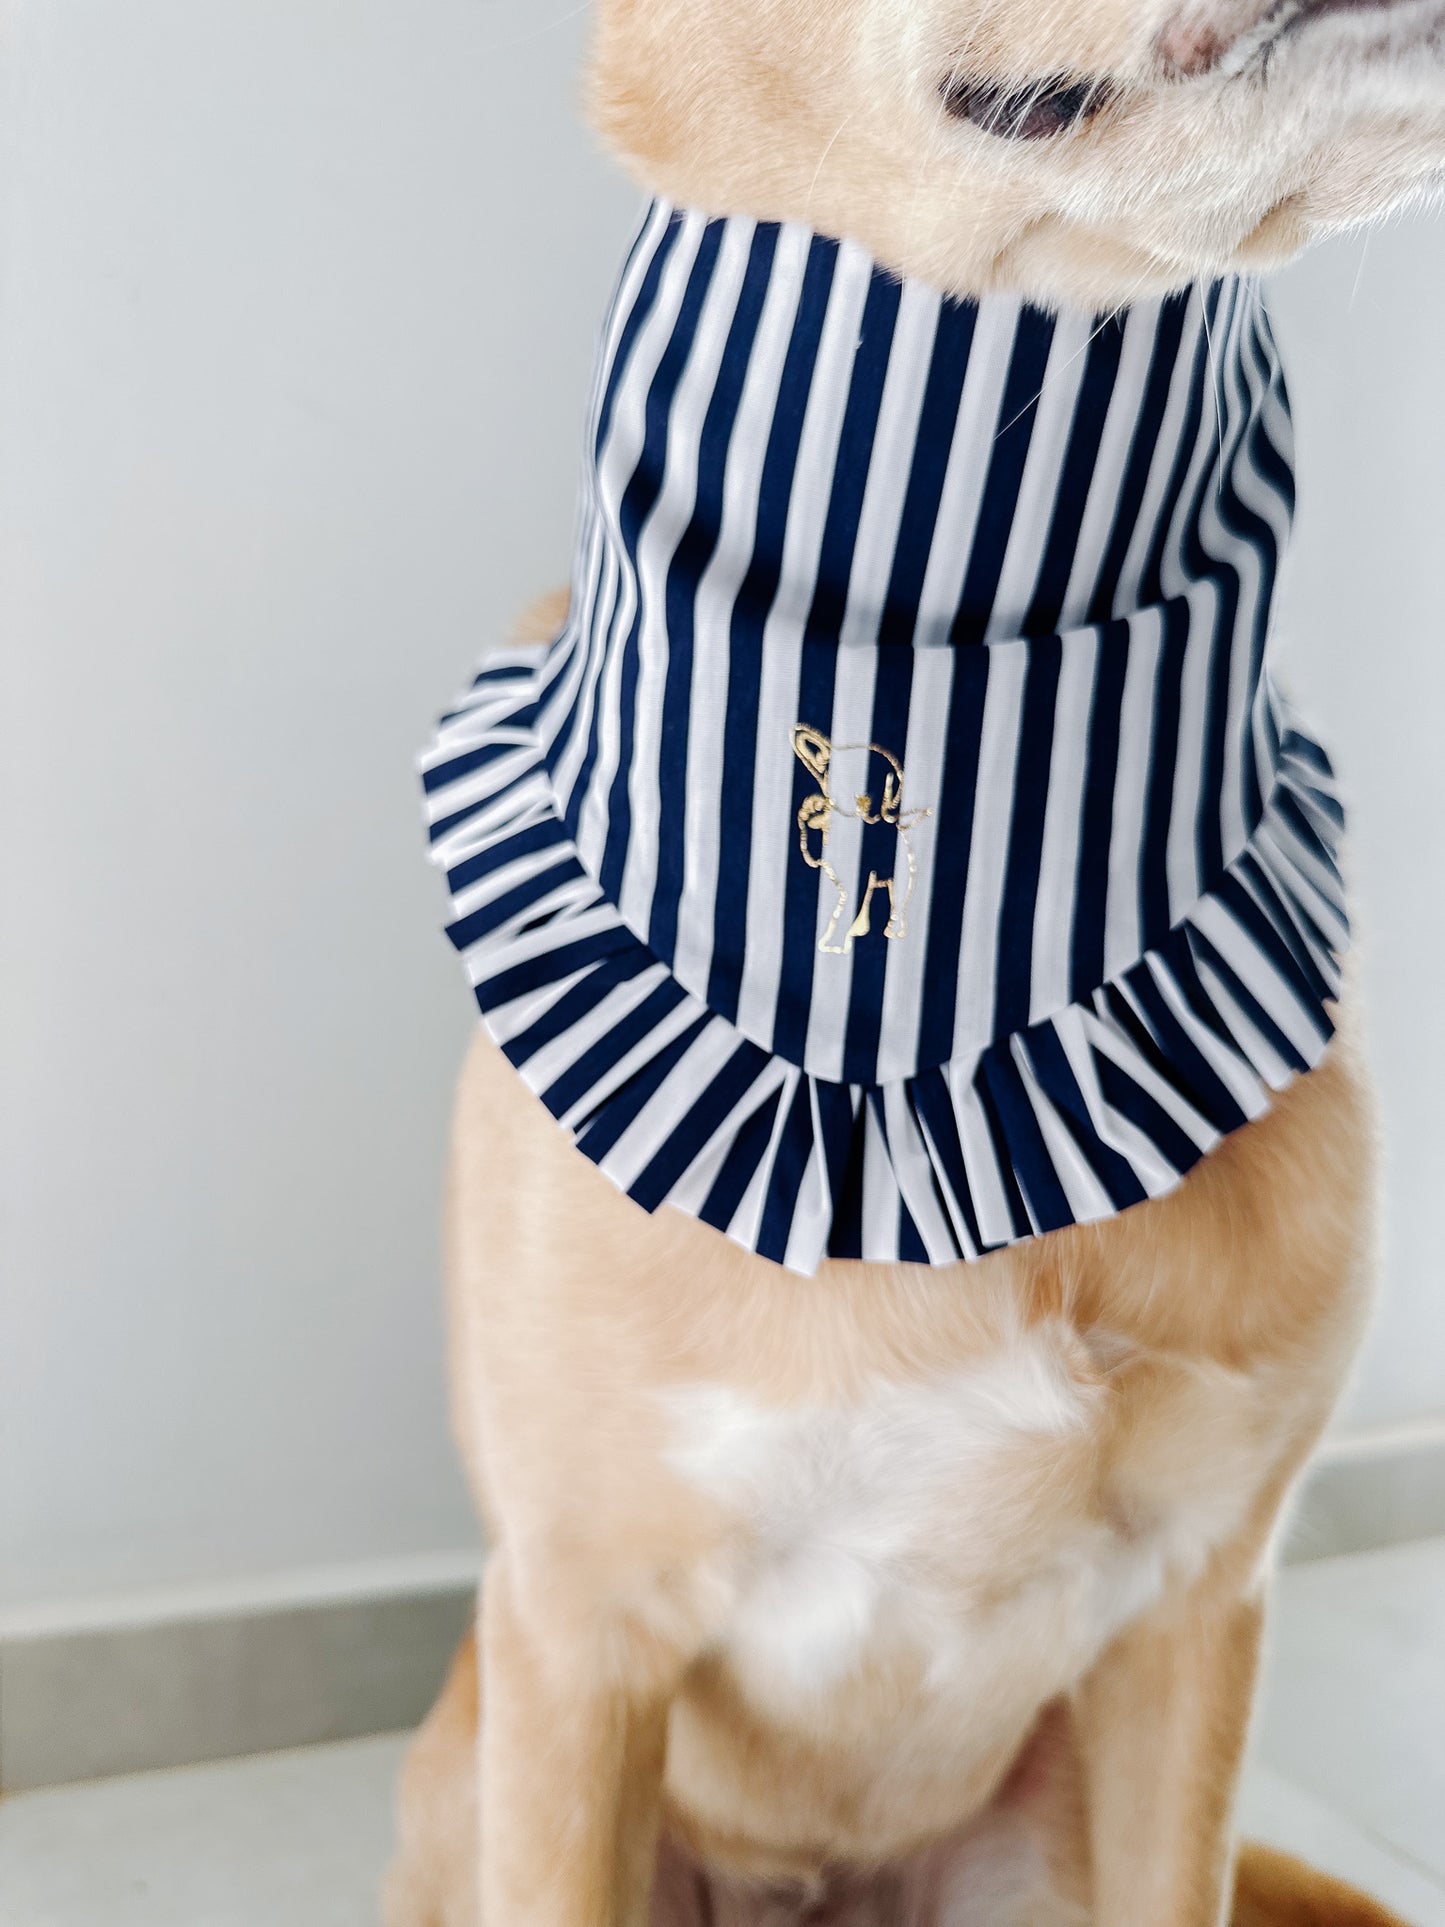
point(833, 140)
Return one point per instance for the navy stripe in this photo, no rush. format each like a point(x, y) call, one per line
point(942, 397)
point(1096, 834)
point(1028, 1153)
point(694, 1130)
point(1148, 1116)
point(932, 1102)
point(845, 1240)
point(746, 1153)
point(1201, 399)
point(598, 1137)
point(817, 678)
point(512, 903)
point(1153, 403)
point(1091, 411)
point(690, 560)
point(557, 1019)
point(637, 319)
point(1051, 1066)
point(1013, 998)
point(639, 502)
point(1013, 434)
point(750, 614)
point(543, 836)
point(955, 819)
point(790, 1165)
point(1156, 908)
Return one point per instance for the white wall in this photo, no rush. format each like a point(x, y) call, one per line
point(298, 305)
point(1364, 623)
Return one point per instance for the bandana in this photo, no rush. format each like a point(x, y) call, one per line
point(903, 850)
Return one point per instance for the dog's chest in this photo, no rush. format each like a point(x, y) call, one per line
point(951, 1526)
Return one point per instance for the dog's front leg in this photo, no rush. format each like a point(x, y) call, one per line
point(1163, 1722)
point(573, 1744)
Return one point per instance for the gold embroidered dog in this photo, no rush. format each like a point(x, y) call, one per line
point(815, 818)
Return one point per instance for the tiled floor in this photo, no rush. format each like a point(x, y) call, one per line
point(1350, 1773)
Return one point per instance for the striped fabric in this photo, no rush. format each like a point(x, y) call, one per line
point(903, 849)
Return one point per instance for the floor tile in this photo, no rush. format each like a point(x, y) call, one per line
point(1349, 1773)
point(1354, 1704)
point(284, 1840)
point(1284, 1815)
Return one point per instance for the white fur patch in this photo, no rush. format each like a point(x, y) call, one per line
point(852, 1513)
point(919, 1520)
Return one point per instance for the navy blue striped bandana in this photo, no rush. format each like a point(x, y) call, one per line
point(903, 849)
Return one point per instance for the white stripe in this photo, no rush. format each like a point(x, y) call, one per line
point(691, 1191)
point(889, 473)
point(928, 714)
point(595, 623)
point(995, 786)
point(557, 1057)
point(650, 1130)
point(1121, 1051)
point(990, 1200)
point(1241, 478)
point(855, 771)
point(1087, 1199)
point(1235, 1077)
point(1260, 494)
point(716, 597)
point(568, 887)
point(615, 468)
point(505, 1022)
point(1257, 974)
point(774, 839)
point(647, 239)
point(1131, 781)
point(963, 485)
point(1166, 454)
point(1185, 883)
point(880, 1219)
point(656, 548)
point(525, 947)
point(1051, 969)
point(597, 1097)
point(747, 1220)
point(913, 1169)
point(1141, 331)
point(891, 464)
point(1038, 492)
point(1275, 1070)
point(1079, 1031)
point(812, 1218)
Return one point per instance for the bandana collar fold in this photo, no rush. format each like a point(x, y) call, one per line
point(903, 849)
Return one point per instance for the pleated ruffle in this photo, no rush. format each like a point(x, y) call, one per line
point(1106, 1102)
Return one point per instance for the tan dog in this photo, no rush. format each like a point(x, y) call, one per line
point(895, 1596)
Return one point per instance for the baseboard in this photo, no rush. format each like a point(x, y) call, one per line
point(123, 1687)
point(1370, 1489)
point(165, 1684)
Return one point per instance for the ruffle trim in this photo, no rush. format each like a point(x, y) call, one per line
point(1106, 1103)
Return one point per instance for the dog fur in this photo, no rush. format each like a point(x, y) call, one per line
point(898, 1597)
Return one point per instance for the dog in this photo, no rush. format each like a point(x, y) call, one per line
point(892, 1591)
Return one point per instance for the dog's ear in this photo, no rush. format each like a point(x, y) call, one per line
point(814, 752)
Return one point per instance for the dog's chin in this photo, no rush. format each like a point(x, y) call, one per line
point(1225, 139)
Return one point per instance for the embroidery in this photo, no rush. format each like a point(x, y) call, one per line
point(815, 818)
